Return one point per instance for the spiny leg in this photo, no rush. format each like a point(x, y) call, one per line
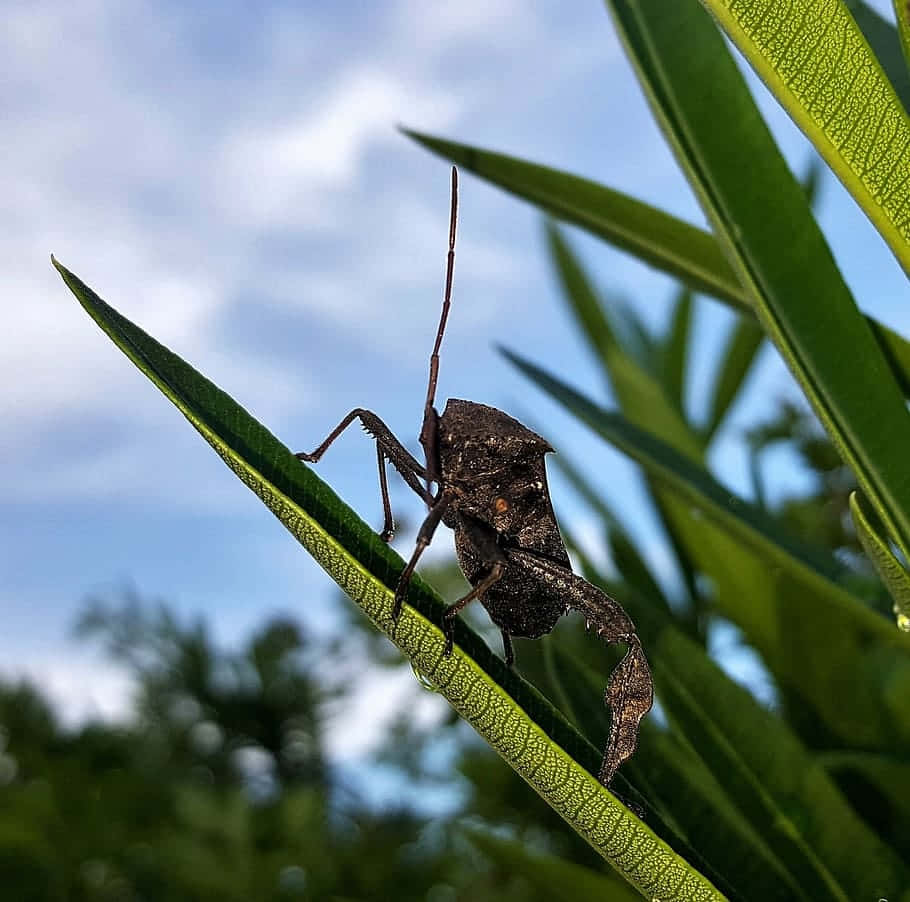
point(448, 618)
point(424, 537)
point(630, 690)
point(388, 524)
point(387, 446)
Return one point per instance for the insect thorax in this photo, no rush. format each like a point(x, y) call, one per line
point(495, 468)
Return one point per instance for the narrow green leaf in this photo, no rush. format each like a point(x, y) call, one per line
point(656, 237)
point(522, 726)
point(562, 880)
point(811, 181)
point(633, 334)
point(762, 218)
point(668, 243)
point(817, 63)
point(639, 392)
point(676, 350)
point(886, 44)
point(677, 781)
point(743, 343)
point(766, 790)
point(883, 789)
point(783, 594)
point(627, 557)
point(892, 572)
point(577, 290)
point(902, 14)
point(786, 796)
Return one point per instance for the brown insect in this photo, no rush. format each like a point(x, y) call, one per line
point(490, 483)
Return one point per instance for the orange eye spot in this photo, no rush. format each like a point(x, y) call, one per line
point(500, 505)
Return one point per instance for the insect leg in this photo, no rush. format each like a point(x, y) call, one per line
point(388, 524)
point(424, 537)
point(448, 619)
point(483, 541)
point(630, 690)
point(407, 465)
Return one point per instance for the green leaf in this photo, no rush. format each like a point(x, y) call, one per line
point(771, 800)
point(525, 729)
point(892, 572)
point(763, 220)
point(783, 793)
point(637, 390)
point(562, 880)
point(627, 557)
point(902, 14)
point(678, 783)
point(841, 657)
point(815, 60)
point(743, 343)
point(812, 180)
point(886, 44)
point(676, 350)
point(882, 785)
point(656, 237)
point(667, 243)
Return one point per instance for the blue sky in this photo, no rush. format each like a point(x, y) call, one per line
point(230, 177)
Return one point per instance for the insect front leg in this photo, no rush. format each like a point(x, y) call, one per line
point(387, 447)
point(424, 537)
point(630, 690)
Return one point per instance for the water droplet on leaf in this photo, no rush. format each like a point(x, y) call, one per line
point(423, 679)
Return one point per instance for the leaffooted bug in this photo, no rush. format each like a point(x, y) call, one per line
point(491, 489)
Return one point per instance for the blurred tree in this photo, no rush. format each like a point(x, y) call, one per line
point(217, 784)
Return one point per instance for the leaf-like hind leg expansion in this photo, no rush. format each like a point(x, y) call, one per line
point(630, 690)
point(411, 470)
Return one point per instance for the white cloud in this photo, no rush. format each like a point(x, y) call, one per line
point(124, 158)
point(285, 173)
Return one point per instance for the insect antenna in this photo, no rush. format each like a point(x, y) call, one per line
point(446, 300)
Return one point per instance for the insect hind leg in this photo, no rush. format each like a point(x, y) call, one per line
point(630, 689)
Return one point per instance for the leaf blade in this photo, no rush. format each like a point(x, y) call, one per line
point(827, 78)
point(743, 344)
point(366, 568)
point(773, 242)
point(892, 572)
point(668, 243)
point(677, 248)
